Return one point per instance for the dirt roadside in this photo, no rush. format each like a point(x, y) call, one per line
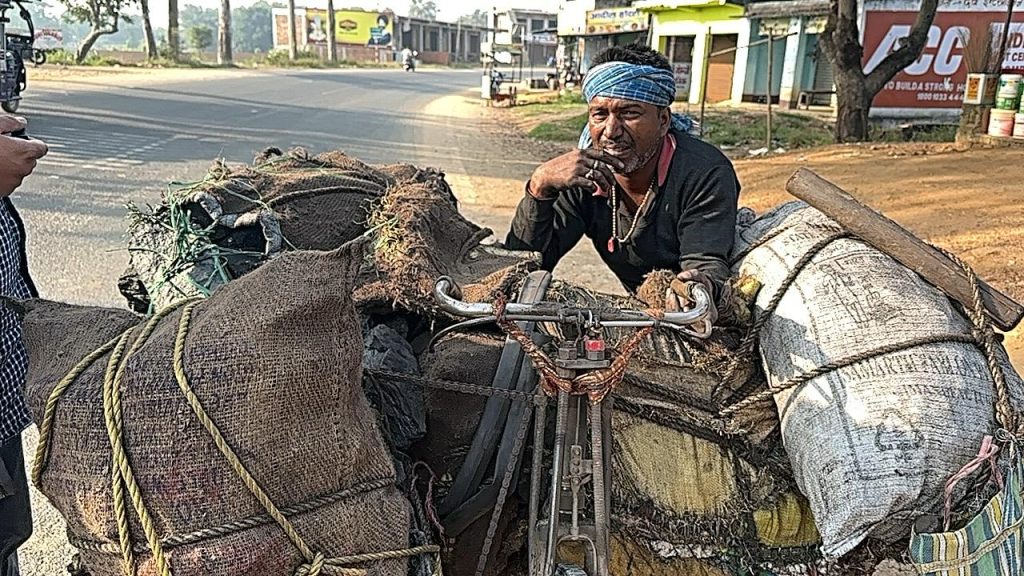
point(95, 74)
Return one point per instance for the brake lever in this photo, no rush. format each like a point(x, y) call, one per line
point(702, 332)
point(702, 328)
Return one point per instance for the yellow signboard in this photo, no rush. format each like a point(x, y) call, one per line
point(351, 27)
point(616, 21)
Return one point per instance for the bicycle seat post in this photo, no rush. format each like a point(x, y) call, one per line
point(579, 505)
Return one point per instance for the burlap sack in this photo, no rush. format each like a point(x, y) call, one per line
point(207, 233)
point(419, 236)
point(274, 358)
point(872, 444)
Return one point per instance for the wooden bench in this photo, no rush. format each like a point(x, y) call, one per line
point(807, 96)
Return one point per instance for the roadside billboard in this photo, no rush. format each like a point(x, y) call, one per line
point(351, 27)
point(48, 39)
point(936, 80)
point(281, 26)
point(616, 21)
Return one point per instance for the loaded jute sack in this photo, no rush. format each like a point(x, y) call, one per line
point(225, 436)
point(236, 218)
point(205, 234)
point(883, 385)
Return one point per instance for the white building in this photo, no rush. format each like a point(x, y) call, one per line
point(533, 32)
point(801, 73)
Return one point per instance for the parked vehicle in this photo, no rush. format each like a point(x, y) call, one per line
point(15, 50)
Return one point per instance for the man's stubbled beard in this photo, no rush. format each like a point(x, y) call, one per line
point(639, 160)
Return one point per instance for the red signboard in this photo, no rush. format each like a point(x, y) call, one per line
point(936, 79)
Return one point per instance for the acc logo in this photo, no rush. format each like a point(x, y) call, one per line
point(943, 53)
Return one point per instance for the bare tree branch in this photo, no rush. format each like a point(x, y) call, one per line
point(906, 54)
point(841, 38)
point(827, 38)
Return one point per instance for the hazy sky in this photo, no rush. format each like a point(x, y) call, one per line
point(448, 9)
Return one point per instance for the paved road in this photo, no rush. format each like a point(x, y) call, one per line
point(122, 138)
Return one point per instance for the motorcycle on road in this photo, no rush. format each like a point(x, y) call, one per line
point(15, 50)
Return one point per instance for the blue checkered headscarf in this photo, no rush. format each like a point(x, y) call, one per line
point(636, 82)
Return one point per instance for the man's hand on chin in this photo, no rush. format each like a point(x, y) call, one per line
point(589, 169)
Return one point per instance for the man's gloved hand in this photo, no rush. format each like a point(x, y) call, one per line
point(678, 300)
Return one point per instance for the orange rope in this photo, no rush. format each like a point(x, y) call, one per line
point(595, 383)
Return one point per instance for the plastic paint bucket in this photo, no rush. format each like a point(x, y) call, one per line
point(1008, 94)
point(1009, 85)
point(1000, 123)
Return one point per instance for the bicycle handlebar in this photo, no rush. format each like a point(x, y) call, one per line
point(445, 291)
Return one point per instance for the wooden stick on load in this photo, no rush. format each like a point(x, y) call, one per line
point(896, 241)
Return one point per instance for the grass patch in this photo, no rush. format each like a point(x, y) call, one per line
point(739, 128)
point(728, 129)
point(308, 59)
point(183, 61)
point(543, 104)
point(923, 133)
point(303, 59)
point(67, 58)
point(63, 57)
point(274, 59)
point(561, 130)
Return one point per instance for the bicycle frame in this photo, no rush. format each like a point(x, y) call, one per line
point(577, 483)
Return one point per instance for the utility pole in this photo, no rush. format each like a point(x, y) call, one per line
point(1006, 33)
point(458, 40)
point(293, 43)
point(224, 56)
point(332, 40)
point(768, 93)
point(705, 69)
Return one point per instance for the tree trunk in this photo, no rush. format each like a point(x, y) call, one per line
point(224, 34)
point(173, 30)
point(332, 40)
point(853, 105)
point(293, 41)
point(90, 40)
point(147, 26)
point(856, 88)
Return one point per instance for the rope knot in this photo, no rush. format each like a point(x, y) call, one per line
point(313, 568)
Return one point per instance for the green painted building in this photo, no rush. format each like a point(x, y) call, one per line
point(702, 38)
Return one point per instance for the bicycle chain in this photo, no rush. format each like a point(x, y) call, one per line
point(506, 481)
